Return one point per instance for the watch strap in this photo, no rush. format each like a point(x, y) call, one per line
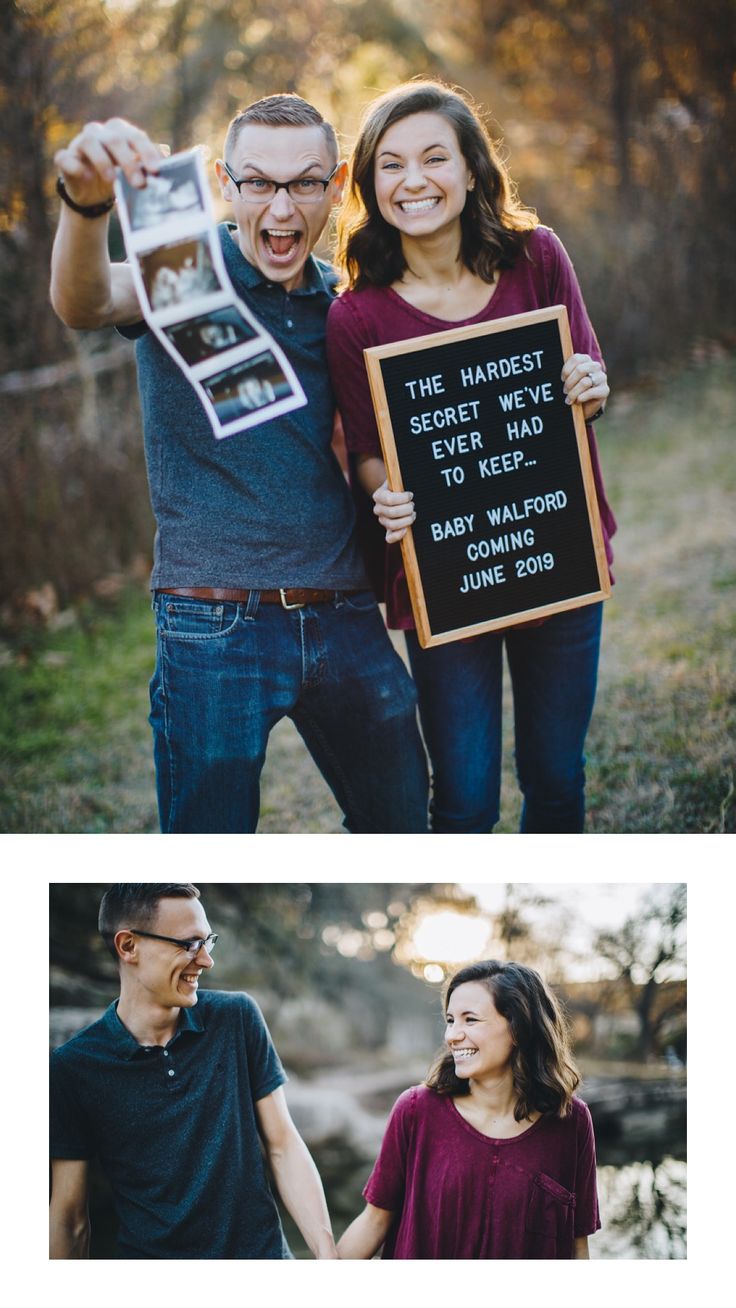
point(86, 210)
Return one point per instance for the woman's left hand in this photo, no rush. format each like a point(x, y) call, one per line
point(585, 383)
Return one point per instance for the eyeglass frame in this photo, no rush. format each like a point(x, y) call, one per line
point(202, 942)
point(324, 183)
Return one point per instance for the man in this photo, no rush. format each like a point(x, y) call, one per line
point(260, 596)
point(172, 1089)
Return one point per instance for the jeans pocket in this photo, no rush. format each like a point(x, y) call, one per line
point(363, 601)
point(191, 619)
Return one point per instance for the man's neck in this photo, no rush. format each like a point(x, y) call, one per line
point(149, 1024)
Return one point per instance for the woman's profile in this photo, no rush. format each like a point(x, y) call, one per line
point(494, 1156)
point(432, 237)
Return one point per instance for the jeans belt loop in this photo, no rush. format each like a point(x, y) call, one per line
point(284, 604)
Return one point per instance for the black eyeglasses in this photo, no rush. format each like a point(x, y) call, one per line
point(259, 190)
point(191, 946)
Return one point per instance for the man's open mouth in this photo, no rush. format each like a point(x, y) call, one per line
point(280, 243)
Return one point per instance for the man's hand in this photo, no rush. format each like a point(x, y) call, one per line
point(88, 163)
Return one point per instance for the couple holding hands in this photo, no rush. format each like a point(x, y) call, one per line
point(260, 586)
point(179, 1094)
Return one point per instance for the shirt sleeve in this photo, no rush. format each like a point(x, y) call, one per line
point(69, 1133)
point(347, 337)
point(564, 288)
point(387, 1182)
point(587, 1214)
point(264, 1065)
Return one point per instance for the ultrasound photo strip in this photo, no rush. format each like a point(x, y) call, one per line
point(240, 373)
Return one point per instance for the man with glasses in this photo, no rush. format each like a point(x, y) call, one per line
point(260, 595)
point(173, 1090)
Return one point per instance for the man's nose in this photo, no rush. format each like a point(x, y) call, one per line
point(282, 205)
point(203, 958)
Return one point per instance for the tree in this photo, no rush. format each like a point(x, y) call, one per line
point(648, 949)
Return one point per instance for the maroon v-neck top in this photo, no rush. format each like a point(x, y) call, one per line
point(379, 316)
point(457, 1193)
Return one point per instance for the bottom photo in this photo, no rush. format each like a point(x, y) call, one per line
point(355, 1071)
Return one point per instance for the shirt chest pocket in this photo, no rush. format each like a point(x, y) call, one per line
point(550, 1219)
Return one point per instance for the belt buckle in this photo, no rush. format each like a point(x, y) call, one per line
point(284, 603)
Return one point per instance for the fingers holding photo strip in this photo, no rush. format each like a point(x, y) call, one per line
point(240, 373)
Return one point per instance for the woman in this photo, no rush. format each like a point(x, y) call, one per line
point(432, 237)
point(492, 1157)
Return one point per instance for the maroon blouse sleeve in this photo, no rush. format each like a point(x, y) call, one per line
point(387, 1182)
point(587, 1216)
point(564, 288)
point(347, 337)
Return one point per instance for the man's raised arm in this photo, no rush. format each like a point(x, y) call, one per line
point(87, 290)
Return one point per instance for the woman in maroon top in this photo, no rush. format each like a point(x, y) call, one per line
point(432, 237)
point(492, 1157)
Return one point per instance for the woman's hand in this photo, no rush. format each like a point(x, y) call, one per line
point(395, 511)
point(585, 383)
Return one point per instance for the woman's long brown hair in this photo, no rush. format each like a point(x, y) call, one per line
point(495, 225)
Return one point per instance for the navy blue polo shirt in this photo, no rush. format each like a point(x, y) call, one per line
point(175, 1129)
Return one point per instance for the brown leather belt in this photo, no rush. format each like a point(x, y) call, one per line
point(288, 599)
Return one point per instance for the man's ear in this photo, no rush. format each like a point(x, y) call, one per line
point(226, 186)
point(126, 947)
point(339, 180)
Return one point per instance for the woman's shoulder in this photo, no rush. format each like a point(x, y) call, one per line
point(579, 1115)
point(417, 1100)
point(356, 302)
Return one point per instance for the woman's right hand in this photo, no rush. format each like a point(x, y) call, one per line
point(395, 512)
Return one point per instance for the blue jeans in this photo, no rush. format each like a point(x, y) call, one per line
point(554, 668)
point(226, 673)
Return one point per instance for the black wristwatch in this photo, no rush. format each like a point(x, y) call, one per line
point(595, 416)
point(86, 210)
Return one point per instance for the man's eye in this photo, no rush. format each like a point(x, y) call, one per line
point(256, 183)
point(307, 185)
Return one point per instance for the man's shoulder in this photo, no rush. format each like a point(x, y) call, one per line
point(232, 1004)
point(91, 1039)
point(326, 273)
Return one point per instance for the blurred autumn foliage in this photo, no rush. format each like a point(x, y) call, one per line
point(618, 120)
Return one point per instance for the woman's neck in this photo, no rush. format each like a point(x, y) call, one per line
point(495, 1096)
point(434, 260)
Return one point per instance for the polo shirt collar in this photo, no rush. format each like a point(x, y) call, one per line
point(316, 279)
point(126, 1046)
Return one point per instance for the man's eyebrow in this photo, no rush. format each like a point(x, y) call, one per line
point(317, 163)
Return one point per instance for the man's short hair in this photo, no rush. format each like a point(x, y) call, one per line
point(285, 110)
point(135, 904)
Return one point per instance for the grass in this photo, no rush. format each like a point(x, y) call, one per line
point(74, 741)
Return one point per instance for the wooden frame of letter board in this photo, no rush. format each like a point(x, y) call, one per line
point(436, 340)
